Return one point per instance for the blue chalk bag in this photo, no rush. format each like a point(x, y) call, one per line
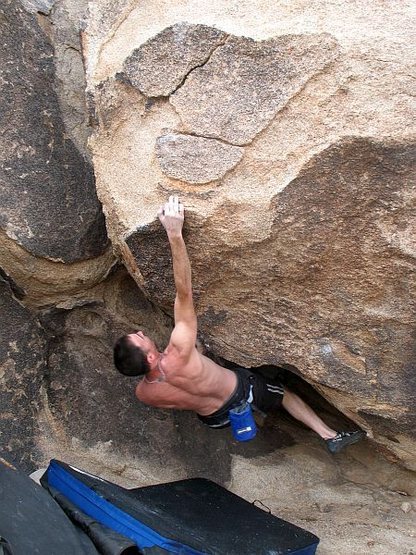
point(242, 422)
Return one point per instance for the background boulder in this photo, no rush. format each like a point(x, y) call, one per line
point(49, 204)
point(23, 353)
point(50, 214)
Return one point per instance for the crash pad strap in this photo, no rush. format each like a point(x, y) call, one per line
point(107, 514)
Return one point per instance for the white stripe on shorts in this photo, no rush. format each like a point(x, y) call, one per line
point(275, 389)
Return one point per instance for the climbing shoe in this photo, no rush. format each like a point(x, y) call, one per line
point(342, 439)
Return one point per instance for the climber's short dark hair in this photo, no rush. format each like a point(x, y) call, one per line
point(129, 359)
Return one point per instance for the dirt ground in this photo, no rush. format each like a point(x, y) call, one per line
point(356, 502)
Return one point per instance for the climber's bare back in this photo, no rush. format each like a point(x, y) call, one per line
point(196, 383)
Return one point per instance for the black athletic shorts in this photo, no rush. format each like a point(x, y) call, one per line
point(267, 395)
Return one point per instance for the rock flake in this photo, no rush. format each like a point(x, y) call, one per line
point(196, 159)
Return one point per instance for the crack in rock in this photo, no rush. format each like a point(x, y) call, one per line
point(160, 65)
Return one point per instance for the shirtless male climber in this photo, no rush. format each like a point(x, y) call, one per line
point(181, 377)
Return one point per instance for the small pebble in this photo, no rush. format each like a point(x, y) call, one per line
point(406, 507)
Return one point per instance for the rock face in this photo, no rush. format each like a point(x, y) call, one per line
point(159, 66)
point(245, 83)
point(54, 245)
point(195, 159)
point(291, 147)
point(22, 366)
point(289, 140)
point(47, 194)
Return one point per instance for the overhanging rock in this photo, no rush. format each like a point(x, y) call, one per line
point(303, 249)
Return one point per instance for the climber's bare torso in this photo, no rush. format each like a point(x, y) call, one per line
point(187, 381)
